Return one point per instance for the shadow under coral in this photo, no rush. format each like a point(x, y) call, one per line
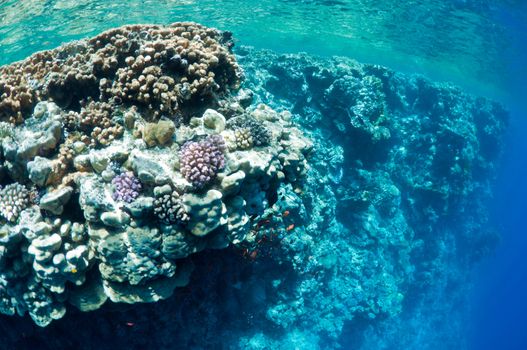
point(224, 297)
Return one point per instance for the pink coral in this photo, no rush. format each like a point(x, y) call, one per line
point(202, 160)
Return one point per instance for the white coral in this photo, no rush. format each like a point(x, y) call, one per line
point(13, 199)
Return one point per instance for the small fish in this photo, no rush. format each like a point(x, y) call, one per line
point(130, 324)
point(290, 227)
point(74, 270)
point(285, 213)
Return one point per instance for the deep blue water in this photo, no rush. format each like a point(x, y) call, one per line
point(485, 52)
point(499, 307)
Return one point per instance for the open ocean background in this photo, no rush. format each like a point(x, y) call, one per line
point(480, 45)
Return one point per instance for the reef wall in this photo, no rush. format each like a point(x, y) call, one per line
point(335, 204)
point(406, 167)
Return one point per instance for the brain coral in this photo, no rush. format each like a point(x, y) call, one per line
point(77, 116)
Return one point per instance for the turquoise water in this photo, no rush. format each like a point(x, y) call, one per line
point(463, 41)
point(429, 272)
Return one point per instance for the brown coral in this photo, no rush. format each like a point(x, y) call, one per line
point(95, 119)
point(164, 70)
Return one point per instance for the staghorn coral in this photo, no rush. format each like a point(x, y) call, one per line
point(202, 160)
point(170, 209)
point(126, 187)
point(13, 199)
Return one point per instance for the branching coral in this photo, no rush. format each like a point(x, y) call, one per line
point(202, 160)
point(170, 209)
point(126, 187)
point(13, 199)
point(162, 69)
point(244, 139)
point(259, 133)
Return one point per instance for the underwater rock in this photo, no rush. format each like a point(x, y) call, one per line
point(39, 170)
point(213, 121)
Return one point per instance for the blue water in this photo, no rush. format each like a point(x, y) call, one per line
point(499, 307)
point(480, 45)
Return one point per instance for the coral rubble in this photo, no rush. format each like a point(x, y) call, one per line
point(133, 165)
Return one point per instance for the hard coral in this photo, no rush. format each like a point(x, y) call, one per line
point(95, 123)
point(170, 209)
point(244, 139)
point(165, 70)
point(126, 187)
point(202, 160)
point(259, 133)
point(13, 199)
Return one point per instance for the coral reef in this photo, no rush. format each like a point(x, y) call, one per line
point(113, 132)
point(360, 203)
point(400, 216)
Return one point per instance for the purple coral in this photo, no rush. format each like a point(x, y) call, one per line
point(202, 160)
point(126, 187)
